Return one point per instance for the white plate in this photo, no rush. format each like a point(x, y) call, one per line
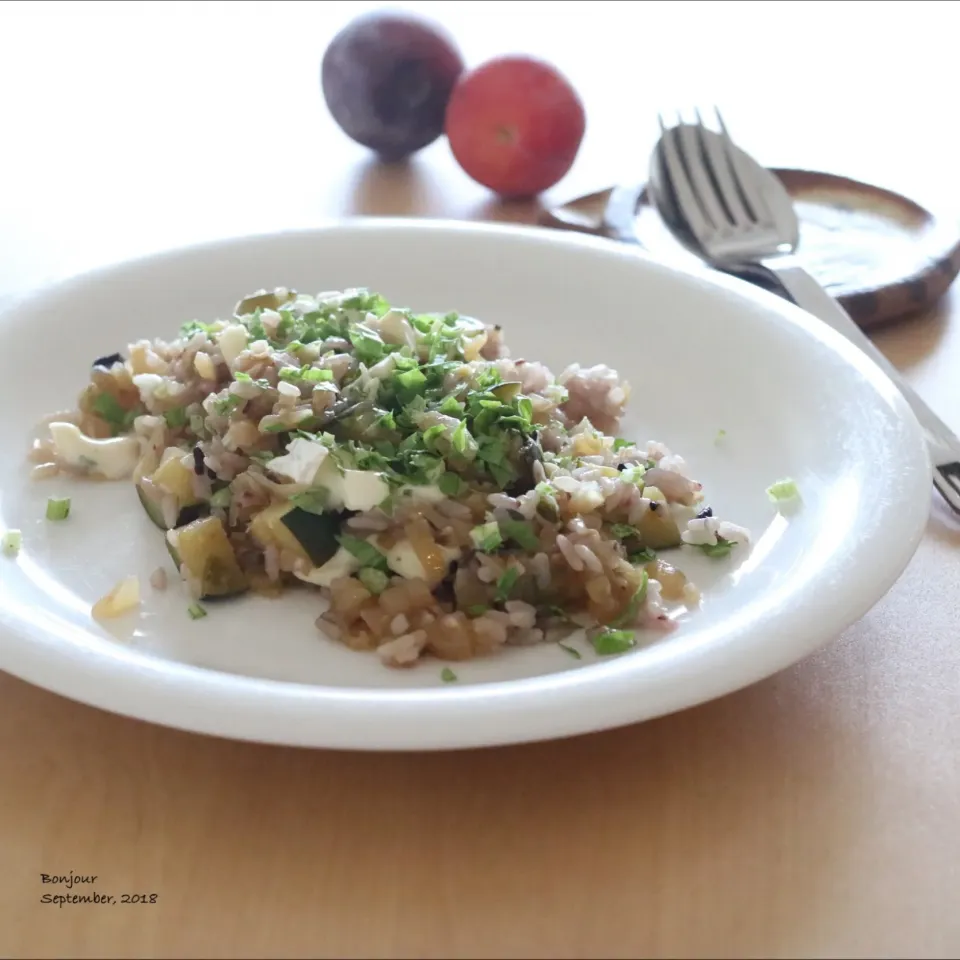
point(704, 354)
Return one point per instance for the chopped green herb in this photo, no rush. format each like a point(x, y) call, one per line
point(720, 435)
point(176, 418)
point(450, 485)
point(571, 650)
point(373, 579)
point(452, 407)
point(719, 549)
point(313, 501)
point(58, 509)
point(619, 444)
point(461, 437)
point(243, 377)
point(367, 345)
point(447, 675)
point(388, 421)
point(632, 608)
point(640, 557)
point(223, 405)
point(785, 489)
point(559, 612)
point(196, 612)
point(365, 552)
point(520, 532)
point(11, 542)
point(609, 641)
point(623, 531)
point(109, 409)
point(486, 537)
point(411, 379)
point(285, 326)
point(432, 435)
point(477, 610)
point(306, 375)
point(506, 583)
point(221, 499)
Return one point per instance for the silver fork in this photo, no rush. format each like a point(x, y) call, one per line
point(738, 216)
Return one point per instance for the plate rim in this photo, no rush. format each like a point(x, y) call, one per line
point(155, 690)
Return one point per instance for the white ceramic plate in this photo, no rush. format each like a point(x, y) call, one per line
point(704, 354)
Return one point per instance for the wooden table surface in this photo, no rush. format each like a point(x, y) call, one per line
point(816, 814)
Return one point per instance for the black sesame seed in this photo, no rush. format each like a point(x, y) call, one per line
point(654, 505)
point(211, 474)
point(198, 461)
point(108, 362)
point(621, 467)
point(704, 513)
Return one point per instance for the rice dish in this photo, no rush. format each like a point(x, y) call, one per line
point(444, 499)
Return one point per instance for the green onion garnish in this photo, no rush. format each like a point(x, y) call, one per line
point(176, 418)
point(786, 489)
point(221, 498)
point(447, 675)
point(365, 552)
point(477, 610)
point(411, 379)
point(58, 509)
point(609, 641)
point(632, 608)
point(11, 542)
point(571, 650)
point(374, 580)
point(486, 537)
point(506, 583)
point(450, 485)
point(520, 532)
point(313, 501)
point(306, 374)
point(719, 549)
point(196, 612)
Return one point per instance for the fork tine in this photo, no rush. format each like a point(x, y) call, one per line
point(712, 148)
point(690, 140)
point(754, 202)
point(679, 184)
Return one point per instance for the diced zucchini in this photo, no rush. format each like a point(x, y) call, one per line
point(153, 509)
point(311, 536)
point(658, 530)
point(264, 300)
point(268, 529)
point(174, 478)
point(316, 533)
point(206, 552)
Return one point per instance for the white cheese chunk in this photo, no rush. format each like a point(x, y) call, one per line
point(302, 461)
point(232, 342)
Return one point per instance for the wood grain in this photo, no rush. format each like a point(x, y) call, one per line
point(813, 815)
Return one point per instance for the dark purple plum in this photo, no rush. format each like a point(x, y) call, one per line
point(387, 77)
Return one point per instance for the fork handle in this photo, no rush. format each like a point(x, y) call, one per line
point(805, 292)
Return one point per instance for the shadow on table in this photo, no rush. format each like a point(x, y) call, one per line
point(401, 189)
